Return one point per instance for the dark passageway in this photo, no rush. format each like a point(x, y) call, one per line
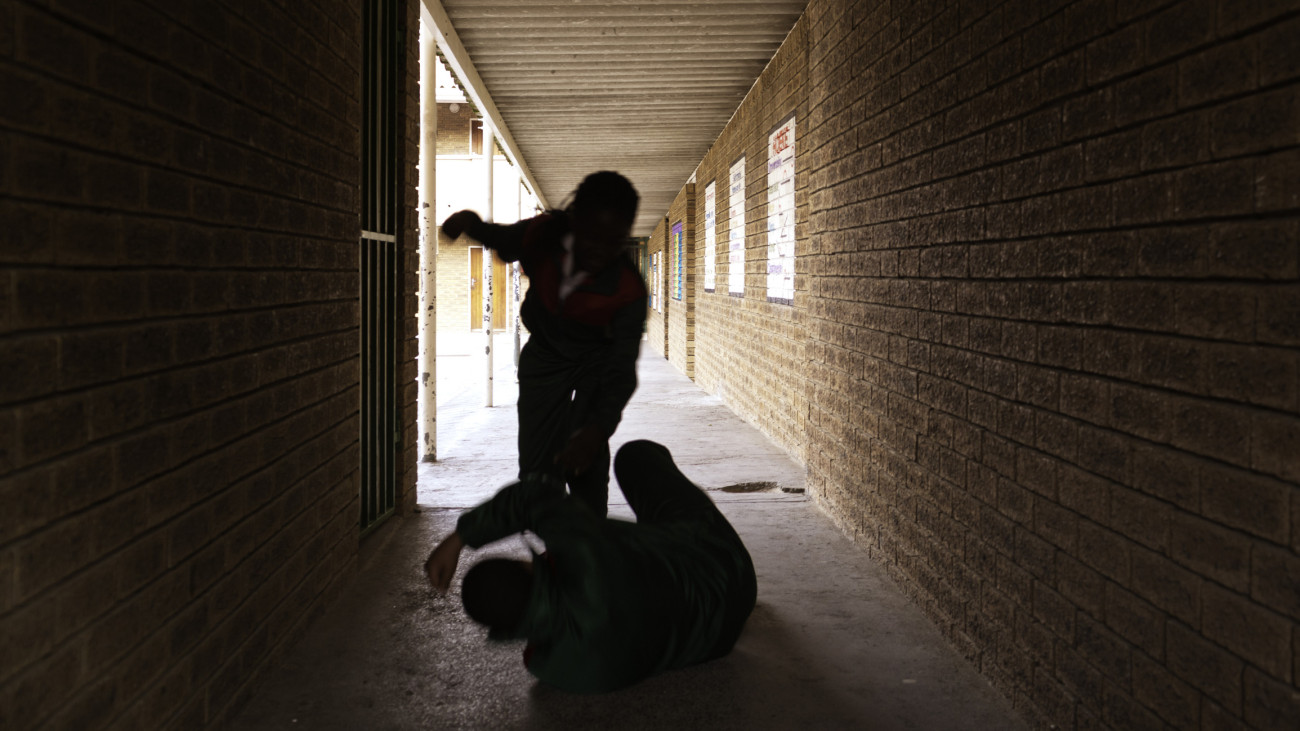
point(832, 643)
point(1009, 288)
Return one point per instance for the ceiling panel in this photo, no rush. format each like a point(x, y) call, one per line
point(643, 88)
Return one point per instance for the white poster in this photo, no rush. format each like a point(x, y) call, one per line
point(780, 214)
point(736, 239)
point(654, 283)
point(710, 239)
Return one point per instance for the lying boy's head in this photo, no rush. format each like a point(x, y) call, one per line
point(495, 592)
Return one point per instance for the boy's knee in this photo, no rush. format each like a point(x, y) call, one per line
point(635, 453)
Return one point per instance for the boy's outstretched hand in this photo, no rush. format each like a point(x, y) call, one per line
point(457, 222)
point(441, 566)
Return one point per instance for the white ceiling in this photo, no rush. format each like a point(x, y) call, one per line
point(640, 87)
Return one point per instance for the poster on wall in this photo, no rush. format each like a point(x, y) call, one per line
point(654, 281)
point(736, 237)
point(678, 253)
point(710, 238)
point(780, 213)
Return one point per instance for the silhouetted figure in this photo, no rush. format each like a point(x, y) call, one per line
point(610, 602)
point(585, 310)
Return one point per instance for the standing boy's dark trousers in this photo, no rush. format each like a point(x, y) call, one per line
point(551, 407)
point(578, 368)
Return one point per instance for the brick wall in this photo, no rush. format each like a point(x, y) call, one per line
point(681, 312)
point(453, 285)
point(178, 337)
point(453, 256)
point(1054, 281)
point(657, 319)
point(749, 351)
point(409, 241)
point(1045, 322)
point(453, 129)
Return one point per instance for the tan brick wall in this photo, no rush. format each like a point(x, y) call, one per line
point(1053, 281)
point(657, 318)
point(178, 343)
point(454, 129)
point(452, 279)
point(453, 285)
point(681, 312)
point(749, 351)
point(1045, 326)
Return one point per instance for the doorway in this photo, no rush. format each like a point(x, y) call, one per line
point(500, 284)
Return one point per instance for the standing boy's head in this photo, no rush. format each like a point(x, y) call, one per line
point(603, 209)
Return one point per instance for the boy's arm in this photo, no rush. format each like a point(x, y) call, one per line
point(513, 509)
point(506, 240)
point(618, 378)
point(441, 565)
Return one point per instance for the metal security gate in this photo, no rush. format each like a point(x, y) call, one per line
point(380, 259)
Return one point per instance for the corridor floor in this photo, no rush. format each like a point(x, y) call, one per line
point(831, 644)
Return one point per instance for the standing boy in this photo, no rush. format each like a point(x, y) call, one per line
point(585, 311)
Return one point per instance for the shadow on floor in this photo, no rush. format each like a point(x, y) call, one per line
point(831, 644)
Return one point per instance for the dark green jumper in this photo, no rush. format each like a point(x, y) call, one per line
point(613, 601)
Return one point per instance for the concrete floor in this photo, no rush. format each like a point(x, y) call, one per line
point(832, 643)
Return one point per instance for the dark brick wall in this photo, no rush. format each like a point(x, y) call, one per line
point(178, 343)
point(408, 239)
point(749, 351)
point(1046, 325)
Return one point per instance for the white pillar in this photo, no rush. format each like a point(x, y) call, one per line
point(514, 270)
point(489, 145)
point(426, 398)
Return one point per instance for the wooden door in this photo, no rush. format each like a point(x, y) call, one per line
point(500, 285)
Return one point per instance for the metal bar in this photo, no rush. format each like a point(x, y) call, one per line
point(366, 430)
point(390, 116)
point(385, 119)
point(379, 264)
point(372, 113)
point(377, 385)
point(376, 379)
point(376, 130)
point(366, 223)
point(389, 339)
point(381, 121)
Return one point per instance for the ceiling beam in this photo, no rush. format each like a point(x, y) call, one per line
point(435, 16)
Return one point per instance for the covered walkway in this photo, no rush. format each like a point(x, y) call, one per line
point(831, 644)
point(1014, 283)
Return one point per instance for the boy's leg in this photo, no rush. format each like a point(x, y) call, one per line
point(658, 491)
point(655, 489)
point(592, 486)
point(545, 397)
point(541, 418)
